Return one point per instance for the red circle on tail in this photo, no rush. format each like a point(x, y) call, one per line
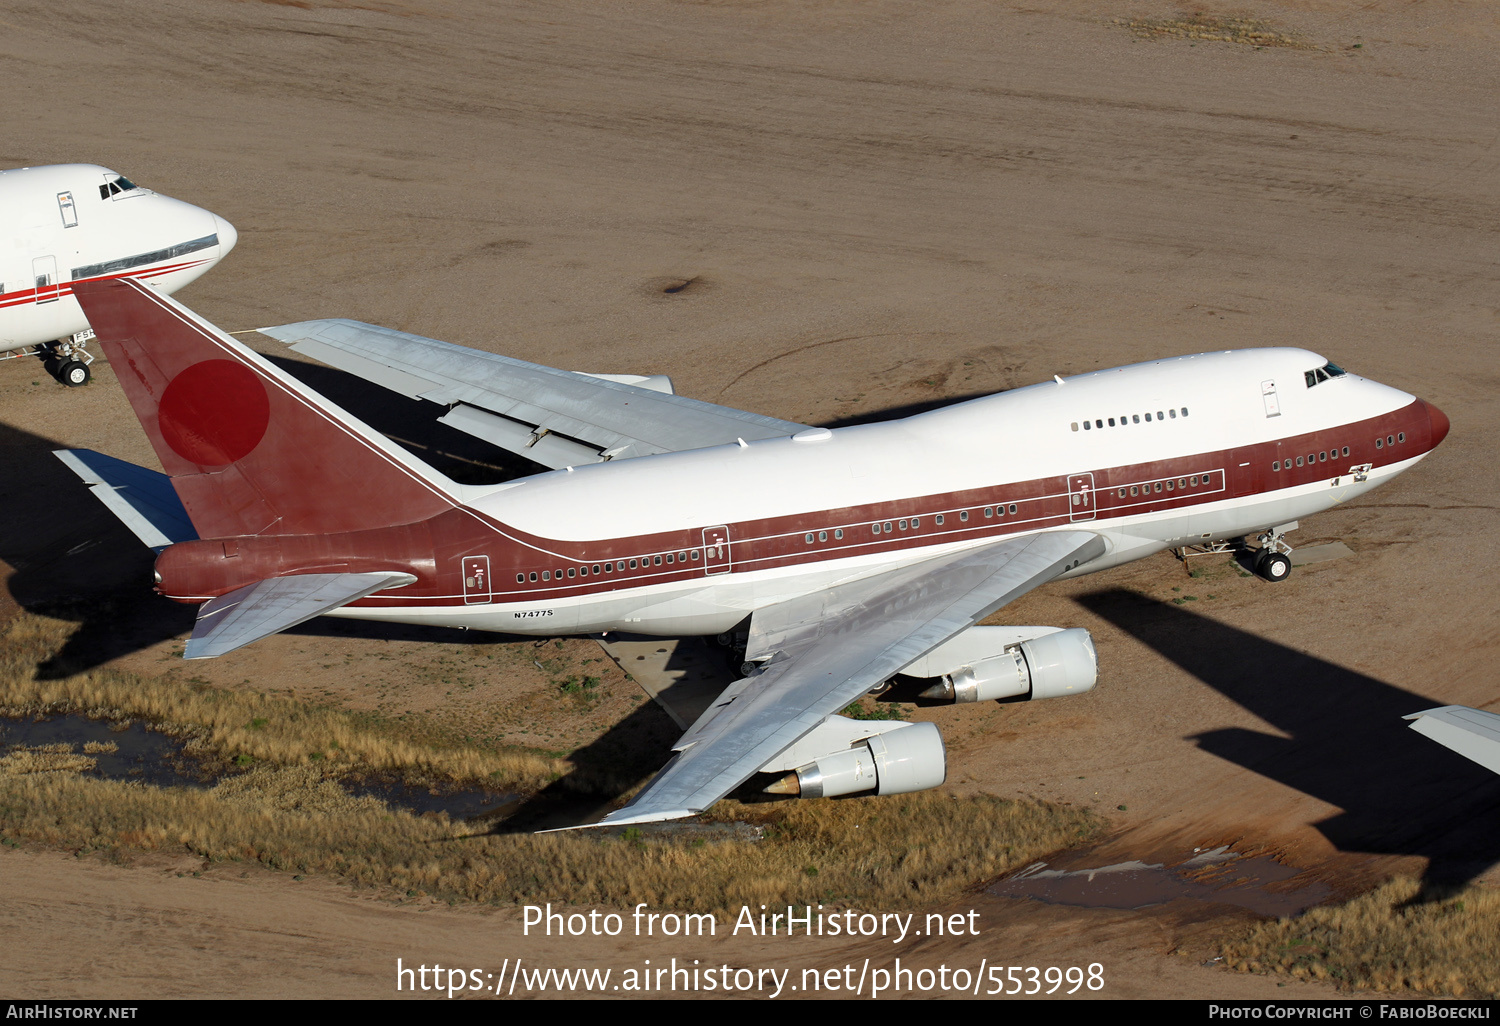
point(214, 413)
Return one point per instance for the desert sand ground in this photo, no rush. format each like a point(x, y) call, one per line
point(880, 207)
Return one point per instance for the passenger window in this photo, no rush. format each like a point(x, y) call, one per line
point(837, 534)
point(546, 575)
point(808, 539)
point(1013, 509)
point(520, 578)
point(887, 527)
point(1172, 414)
point(1136, 418)
point(940, 520)
point(988, 512)
point(1275, 464)
point(657, 561)
point(822, 536)
point(572, 571)
point(632, 564)
point(1075, 425)
point(1098, 423)
point(1377, 443)
point(963, 515)
point(902, 525)
point(1148, 418)
point(1346, 450)
point(1111, 422)
point(1299, 461)
point(533, 576)
point(1088, 425)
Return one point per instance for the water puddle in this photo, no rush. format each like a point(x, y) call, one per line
point(115, 751)
point(459, 805)
point(1257, 882)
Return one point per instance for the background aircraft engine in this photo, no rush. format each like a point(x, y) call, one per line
point(1062, 663)
point(898, 761)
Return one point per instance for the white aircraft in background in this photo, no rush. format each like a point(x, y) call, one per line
point(68, 223)
point(854, 554)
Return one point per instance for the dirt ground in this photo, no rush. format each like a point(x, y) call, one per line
point(878, 207)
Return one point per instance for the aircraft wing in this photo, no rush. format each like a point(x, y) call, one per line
point(557, 418)
point(1470, 732)
point(823, 651)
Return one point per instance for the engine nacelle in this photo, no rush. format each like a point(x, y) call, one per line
point(1062, 663)
point(895, 762)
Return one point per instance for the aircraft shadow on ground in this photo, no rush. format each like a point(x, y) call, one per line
point(1347, 744)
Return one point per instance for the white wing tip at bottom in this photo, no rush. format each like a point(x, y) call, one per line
point(615, 819)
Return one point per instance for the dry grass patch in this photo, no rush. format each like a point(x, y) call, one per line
point(887, 852)
point(1212, 28)
point(1395, 938)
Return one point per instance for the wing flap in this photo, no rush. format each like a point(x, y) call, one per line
point(612, 415)
point(825, 650)
point(257, 610)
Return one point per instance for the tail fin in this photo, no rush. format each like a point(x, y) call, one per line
point(249, 449)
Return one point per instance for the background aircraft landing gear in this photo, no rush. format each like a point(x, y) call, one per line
point(68, 359)
point(73, 373)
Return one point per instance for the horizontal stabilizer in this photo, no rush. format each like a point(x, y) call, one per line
point(250, 613)
point(1472, 733)
point(144, 500)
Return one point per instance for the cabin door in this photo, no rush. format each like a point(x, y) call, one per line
point(715, 550)
point(476, 578)
point(1081, 497)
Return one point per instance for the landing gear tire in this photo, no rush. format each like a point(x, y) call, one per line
point(74, 373)
point(1274, 566)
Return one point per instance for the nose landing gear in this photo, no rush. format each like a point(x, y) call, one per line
point(1274, 563)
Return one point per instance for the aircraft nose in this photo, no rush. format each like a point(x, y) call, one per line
point(1438, 421)
point(227, 235)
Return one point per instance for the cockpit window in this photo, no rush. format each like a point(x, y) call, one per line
point(115, 186)
point(1323, 373)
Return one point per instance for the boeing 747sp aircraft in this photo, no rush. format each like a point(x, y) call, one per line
point(853, 554)
point(82, 222)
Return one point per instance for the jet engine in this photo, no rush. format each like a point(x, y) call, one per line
point(894, 762)
point(1056, 664)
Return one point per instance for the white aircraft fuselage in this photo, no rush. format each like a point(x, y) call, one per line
point(1162, 454)
point(82, 222)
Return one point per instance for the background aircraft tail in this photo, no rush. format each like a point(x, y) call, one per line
point(249, 449)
